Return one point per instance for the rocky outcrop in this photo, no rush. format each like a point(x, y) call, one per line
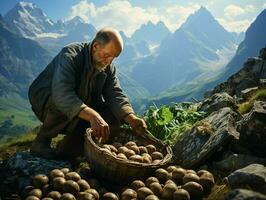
point(251, 177)
point(249, 76)
point(218, 101)
point(206, 138)
point(252, 129)
point(18, 170)
point(243, 194)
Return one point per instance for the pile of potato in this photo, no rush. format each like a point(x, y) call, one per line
point(173, 183)
point(63, 184)
point(131, 151)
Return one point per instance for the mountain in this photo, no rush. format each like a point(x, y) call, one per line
point(159, 32)
point(254, 40)
point(187, 53)
point(28, 19)
point(21, 60)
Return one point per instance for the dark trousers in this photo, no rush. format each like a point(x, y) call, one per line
point(55, 122)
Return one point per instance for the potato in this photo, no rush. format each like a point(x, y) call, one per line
point(151, 180)
point(142, 149)
point(178, 174)
point(85, 196)
point(202, 171)
point(67, 196)
point(156, 188)
point(83, 185)
point(194, 189)
point(40, 180)
point(135, 149)
point(54, 195)
point(65, 170)
point(47, 198)
point(152, 197)
point(190, 177)
point(26, 191)
point(32, 198)
point(122, 149)
point(112, 148)
point(56, 173)
point(168, 191)
point(181, 194)
point(102, 191)
point(121, 156)
point(191, 171)
point(147, 155)
point(130, 143)
point(74, 176)
point(206, 180)
point(94, 193)
point(71, 186)
point(110, 196)
point(136, 158)
point(157, 155)
point(130, 153)
point(106, 146)
point(129, 194)
point(169, 182)
point(151, 148)
point(58, 183)
point(135, 185)
point(114, 154)
point(143, 192)
point(146, 159)
point(35, 192)
point(162, 175)
point(171, 168)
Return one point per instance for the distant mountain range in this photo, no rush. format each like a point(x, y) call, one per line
point(183, 55)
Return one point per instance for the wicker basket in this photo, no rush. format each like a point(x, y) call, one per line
point(118, 170)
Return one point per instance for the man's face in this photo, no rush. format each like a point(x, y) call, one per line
point(103, 55)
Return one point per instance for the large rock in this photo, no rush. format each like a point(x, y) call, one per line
point(218, 101)
point(251, 177)
point(206, 137)
point(252, 129)
point(237, 161)
point(242, 194)
point(18, 171)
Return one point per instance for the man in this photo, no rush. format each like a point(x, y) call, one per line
point(79, 88)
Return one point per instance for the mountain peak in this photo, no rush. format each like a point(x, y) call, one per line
point(24, 4)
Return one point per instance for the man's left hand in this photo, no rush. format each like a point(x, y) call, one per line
point(136, 123)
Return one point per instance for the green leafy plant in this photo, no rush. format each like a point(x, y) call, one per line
point(168, 122)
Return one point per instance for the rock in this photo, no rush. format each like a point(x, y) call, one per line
point(251, 177)
point(249, 76)
point(218, 101)
point(252, 129)
point(242, 194)
point(195, 146)
point(18, 171)
point(246, 93)
point(237, 161)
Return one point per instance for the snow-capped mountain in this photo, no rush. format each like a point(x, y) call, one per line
point(29, 19)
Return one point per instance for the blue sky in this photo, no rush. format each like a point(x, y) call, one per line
point(128, 15)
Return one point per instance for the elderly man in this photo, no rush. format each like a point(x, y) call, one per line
point(78, 89)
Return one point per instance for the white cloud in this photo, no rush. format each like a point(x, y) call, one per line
point(264, 6)
point(250, 8)
point(236, 25)
point(232, 11)
point(118, 14)
point(126, 17)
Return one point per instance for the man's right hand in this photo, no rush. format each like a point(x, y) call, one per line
point(98, 125)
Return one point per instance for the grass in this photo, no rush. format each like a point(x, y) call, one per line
point(259, 94)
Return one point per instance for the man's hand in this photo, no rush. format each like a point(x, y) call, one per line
point(98, 125)
point(136, 123)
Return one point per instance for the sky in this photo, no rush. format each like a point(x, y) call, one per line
point(129, 15)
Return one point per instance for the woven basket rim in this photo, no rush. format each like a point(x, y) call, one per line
point(164, 161)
